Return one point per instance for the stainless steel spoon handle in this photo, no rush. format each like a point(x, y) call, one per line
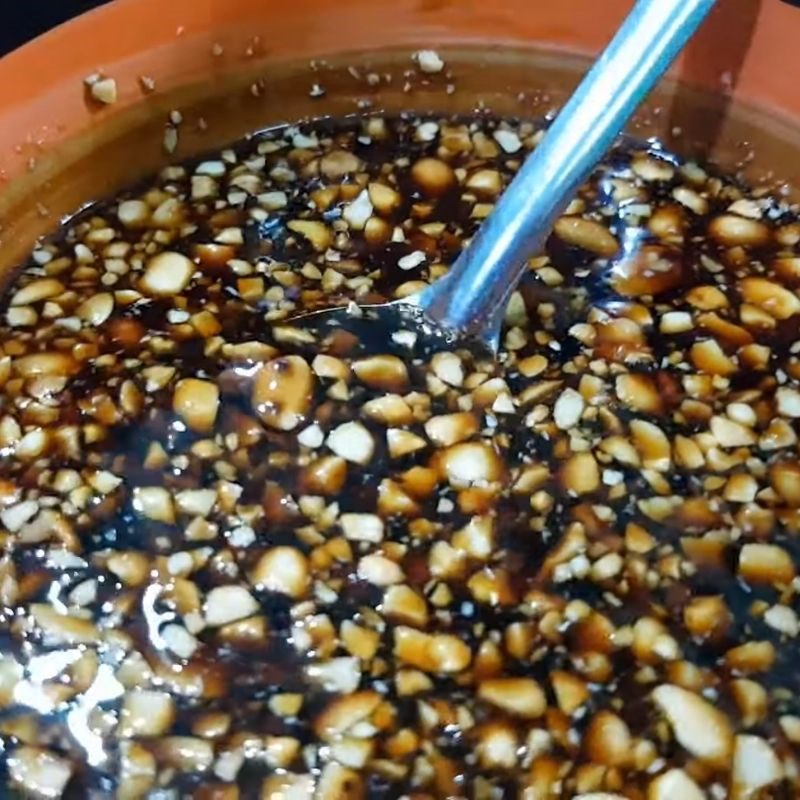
point(471, 298)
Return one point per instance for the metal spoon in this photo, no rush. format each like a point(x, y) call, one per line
point(469, 302)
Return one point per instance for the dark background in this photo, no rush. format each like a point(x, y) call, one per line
point(21, 20)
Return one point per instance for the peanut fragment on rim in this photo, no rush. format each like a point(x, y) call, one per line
point(429, 61)
point(104, 90)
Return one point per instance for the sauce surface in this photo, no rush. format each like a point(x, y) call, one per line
point(244, 560)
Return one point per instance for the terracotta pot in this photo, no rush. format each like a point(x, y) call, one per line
point(231, 66)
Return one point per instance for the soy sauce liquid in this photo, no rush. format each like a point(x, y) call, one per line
point(240, 678)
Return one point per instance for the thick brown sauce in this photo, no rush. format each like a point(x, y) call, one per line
point(668, 535)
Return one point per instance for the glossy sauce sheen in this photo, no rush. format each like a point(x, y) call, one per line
point(582, 582)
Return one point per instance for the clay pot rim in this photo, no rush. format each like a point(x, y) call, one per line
point(49, 121)
point(44, 99)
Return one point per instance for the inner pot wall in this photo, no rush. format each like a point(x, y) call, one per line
point(58, 149)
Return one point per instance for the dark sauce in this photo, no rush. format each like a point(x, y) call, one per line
point(244, 698)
